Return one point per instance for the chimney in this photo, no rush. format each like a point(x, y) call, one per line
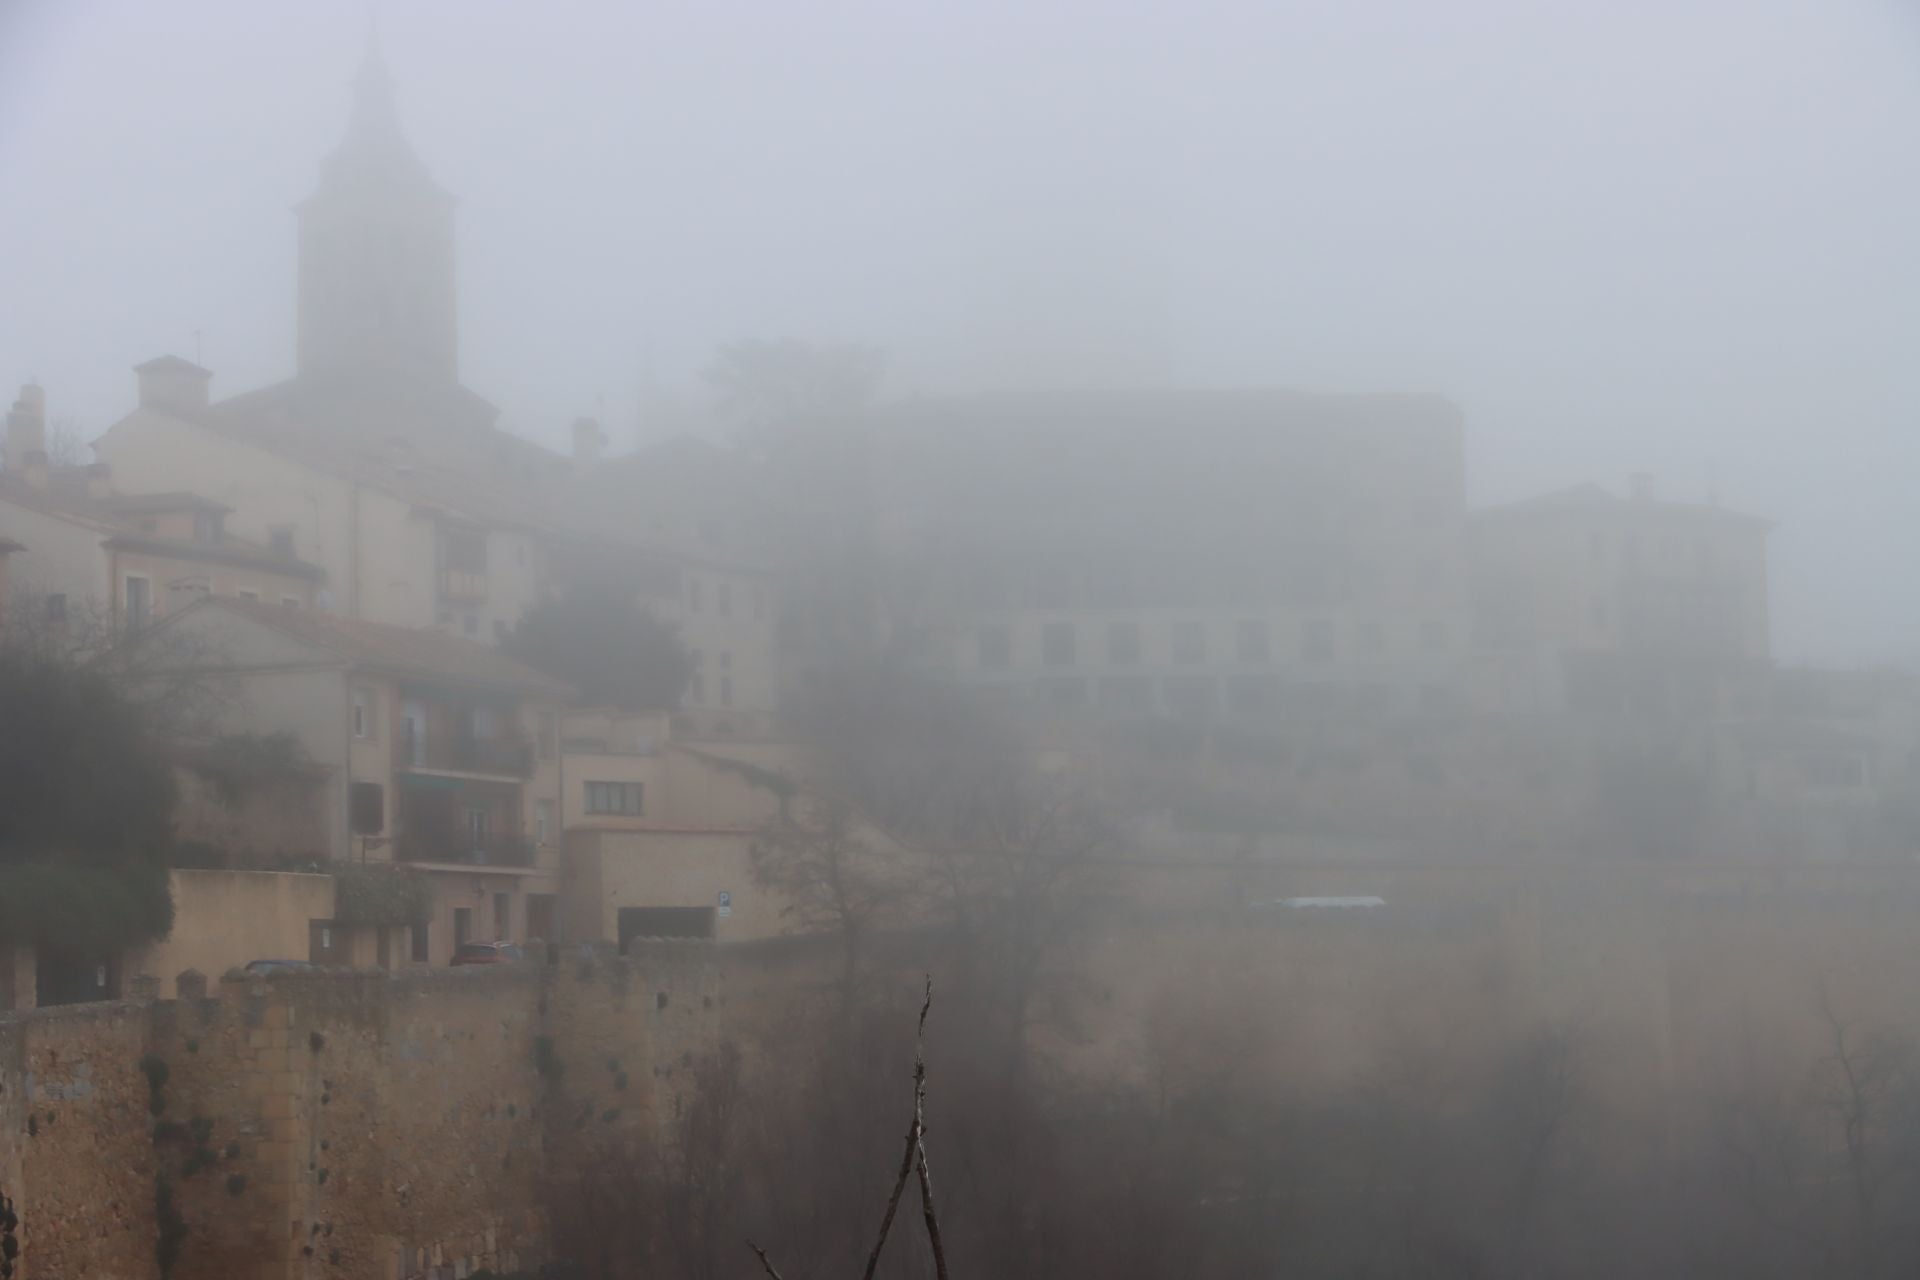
point(27, 435)
point(1640, 485)
point(99, 481)
point(172, 383)
point(589, 441)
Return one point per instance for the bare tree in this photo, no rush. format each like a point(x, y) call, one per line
point(67, 444)
point(833, 879)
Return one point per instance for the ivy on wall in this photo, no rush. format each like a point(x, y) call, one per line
point(381, 896)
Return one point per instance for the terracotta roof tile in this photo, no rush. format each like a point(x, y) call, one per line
point(429, 655)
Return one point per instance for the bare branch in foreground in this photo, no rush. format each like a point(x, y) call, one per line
point(914, 1157)
point(761, 1254)
point(913, 1133)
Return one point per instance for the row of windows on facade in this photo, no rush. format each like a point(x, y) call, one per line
point(482, 722)
point(367, 809)
point(1319, 581)
point(1242, 694)
point(1126, 642)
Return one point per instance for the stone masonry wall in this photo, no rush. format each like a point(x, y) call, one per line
point(74, 1153)
point(331, 1126)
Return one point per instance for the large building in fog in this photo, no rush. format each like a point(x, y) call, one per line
point(1194, 553)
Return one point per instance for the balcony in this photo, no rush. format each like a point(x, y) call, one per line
point(505, 755)
point(460, 845)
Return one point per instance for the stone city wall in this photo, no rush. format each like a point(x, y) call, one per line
point(333, 1125)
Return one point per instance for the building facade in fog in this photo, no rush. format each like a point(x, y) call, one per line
point(1585, 571)
point(1198, 554)
point(430, 751)
point(87, 554)
point(376, 464)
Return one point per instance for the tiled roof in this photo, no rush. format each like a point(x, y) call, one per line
point(65, 495)
point(378, 646)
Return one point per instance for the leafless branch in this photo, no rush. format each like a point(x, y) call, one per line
point(914, 1150)
point(761, 1254)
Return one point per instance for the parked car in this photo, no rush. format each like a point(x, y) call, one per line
point(488, 953)
point(281, 966)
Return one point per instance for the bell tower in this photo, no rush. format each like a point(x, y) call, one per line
point(376, 274)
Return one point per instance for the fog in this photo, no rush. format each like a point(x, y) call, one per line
point(1630, 237)
point(1286, 634)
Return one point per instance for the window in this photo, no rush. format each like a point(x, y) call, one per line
point(462, 926)
point(1123, 642)
point(365, 701)
point(1057, 644)
point(139, 603)
point(502, 916)
point(1317, 640)
point(1189, 642)
point(368, 803)
point(413, 733)
point(723, 599)
point(542, 820)
point(996, 647)
point(623, 798)
point(478, 824)
point(1255, 640)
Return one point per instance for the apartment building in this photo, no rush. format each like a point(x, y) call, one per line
point(438, 752)
point(1200, 554)
point(86, 552)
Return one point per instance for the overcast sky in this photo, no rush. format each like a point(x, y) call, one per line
point(1674, 236)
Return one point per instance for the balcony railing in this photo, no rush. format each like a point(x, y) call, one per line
point(507, 755)
point(464, 847)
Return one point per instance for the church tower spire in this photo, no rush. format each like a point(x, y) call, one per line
point(376, 291)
